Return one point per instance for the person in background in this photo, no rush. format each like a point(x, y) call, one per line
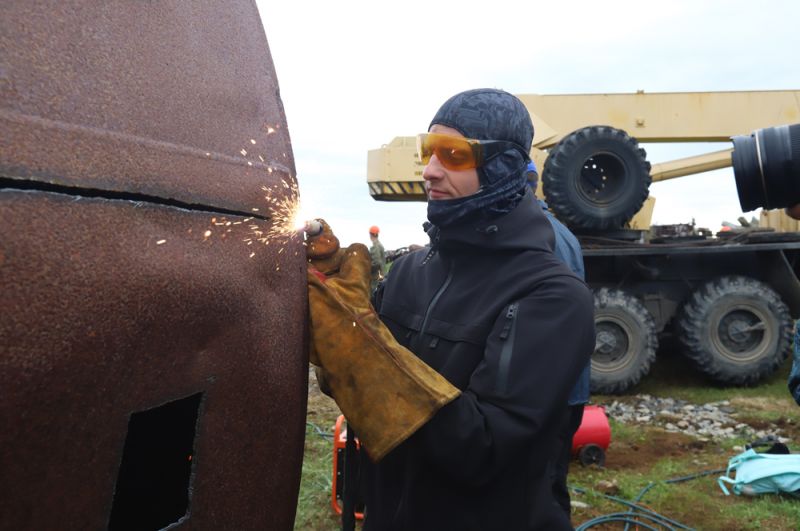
point(378, 255)
point(568, 250)
point(794, 376)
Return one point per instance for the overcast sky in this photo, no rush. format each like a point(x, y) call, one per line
point(353, 75)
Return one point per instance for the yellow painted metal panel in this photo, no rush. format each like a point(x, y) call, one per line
point(778, 220)
point(690, 165)
point(664, 116)
point(642, 219)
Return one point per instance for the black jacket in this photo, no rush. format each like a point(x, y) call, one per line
point(490, 308)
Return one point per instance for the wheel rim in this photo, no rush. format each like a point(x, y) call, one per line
point(612, 349)
point(603, 178)
point(591, 455)
point(742, 333)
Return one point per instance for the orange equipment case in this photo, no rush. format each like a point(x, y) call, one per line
point(339, 442)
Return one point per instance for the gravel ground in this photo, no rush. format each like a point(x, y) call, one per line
point(712, 421)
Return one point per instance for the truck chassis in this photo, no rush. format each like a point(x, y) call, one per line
point(731, 304)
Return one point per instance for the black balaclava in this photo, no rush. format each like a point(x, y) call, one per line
point(486, 114)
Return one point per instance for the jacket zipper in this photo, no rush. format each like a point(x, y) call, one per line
point(507, 335)
point(433, 302)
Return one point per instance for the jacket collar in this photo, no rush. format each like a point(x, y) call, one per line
point(524, 228)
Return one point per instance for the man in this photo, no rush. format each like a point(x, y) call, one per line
point(489, 307)
point(568, 250)
point(378, 256)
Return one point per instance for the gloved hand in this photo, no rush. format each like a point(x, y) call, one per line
point(385, 391)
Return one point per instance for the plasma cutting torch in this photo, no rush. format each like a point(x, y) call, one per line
point(312, 228)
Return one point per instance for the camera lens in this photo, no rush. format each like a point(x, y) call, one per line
point(766, 165)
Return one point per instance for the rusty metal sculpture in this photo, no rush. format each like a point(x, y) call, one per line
point(151, 370)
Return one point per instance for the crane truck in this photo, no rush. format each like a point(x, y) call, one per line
point(730, 301)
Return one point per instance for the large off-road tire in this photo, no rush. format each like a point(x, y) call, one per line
point(596, 178)
point(625, 344)
point(735, 329)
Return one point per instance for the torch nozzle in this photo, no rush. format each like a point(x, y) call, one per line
point(312, 227)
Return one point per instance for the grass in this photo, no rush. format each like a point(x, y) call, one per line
point(698, 503)
point(314, 511)
point(637, 457)
point(313, 505)
point(672, 376)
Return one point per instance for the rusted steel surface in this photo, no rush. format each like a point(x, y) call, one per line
point(112, 307)
point(157, 98)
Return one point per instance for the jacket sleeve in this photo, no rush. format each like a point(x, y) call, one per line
point(533, 356)
point(794, 376)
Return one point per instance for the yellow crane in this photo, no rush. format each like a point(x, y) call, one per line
point(598, 178)
point(730, 302)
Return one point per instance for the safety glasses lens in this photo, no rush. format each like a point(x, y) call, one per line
point(454, 153)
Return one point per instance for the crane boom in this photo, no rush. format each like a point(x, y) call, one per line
point(395, 174)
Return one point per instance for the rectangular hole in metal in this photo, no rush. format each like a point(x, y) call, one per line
point(153, 484)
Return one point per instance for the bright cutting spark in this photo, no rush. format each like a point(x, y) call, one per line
point(284, 212)
point(284, 218)
point(159, 242)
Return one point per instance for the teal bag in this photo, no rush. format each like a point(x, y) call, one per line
point(762, 473)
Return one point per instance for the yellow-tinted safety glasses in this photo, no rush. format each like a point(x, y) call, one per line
point(458, 153)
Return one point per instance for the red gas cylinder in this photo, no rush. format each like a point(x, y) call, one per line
point(591, 440)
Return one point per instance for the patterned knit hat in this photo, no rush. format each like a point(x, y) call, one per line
point(487, 114)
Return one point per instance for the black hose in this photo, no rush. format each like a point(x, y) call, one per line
point(638, 512)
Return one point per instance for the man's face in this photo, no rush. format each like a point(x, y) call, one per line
point(441, 183)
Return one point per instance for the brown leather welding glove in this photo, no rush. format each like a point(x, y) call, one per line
point(385, 391)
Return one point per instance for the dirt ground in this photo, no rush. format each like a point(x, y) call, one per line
point(640, 456)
